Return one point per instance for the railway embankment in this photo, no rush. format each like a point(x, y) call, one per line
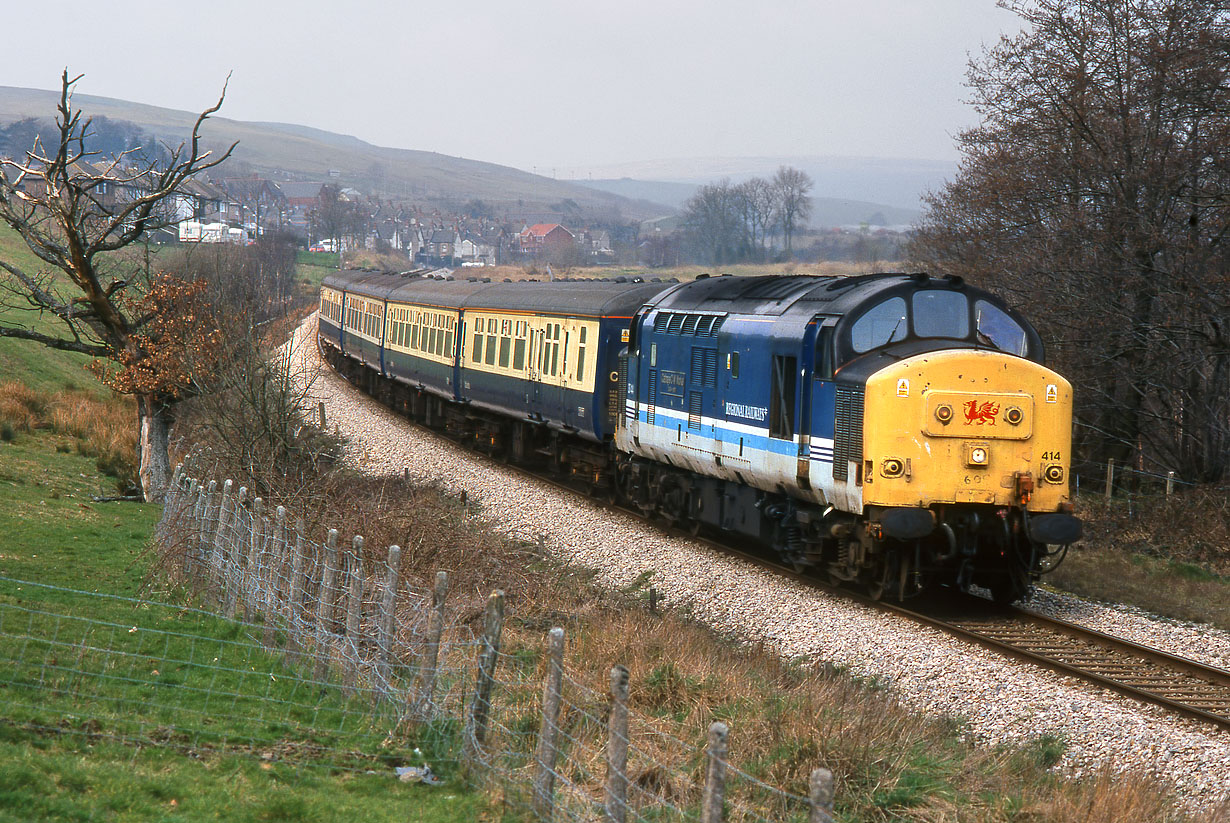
point(993, 700)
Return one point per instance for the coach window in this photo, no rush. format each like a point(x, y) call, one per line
point(477, 354)
point(449, 326)
point(880, 326)
point(505, 342)
point(581, 355)
point(489, 357)
point(999, 330)
point(555, 353)
point(519, 347)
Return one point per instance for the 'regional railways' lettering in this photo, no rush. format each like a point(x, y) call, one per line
point(750, 412)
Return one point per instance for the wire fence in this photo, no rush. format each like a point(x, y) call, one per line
point(320, 653)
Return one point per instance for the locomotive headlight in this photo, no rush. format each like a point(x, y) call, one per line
point(977, 454)
point(1053, 474)
point(1014, 415)
point(943, 413)
point(892, 467)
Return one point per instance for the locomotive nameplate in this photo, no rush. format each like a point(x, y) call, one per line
point(671, 382)
point(979, 414)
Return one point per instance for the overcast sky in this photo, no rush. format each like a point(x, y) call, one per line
point(539, 85)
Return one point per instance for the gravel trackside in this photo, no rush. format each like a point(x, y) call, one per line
point(1001, 699)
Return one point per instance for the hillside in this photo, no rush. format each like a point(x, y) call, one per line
point(826, 211)
point(285, 151)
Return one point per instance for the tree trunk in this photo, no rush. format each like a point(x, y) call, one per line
point(155, 469)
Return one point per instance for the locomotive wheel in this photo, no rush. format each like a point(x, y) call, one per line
point(884, 581)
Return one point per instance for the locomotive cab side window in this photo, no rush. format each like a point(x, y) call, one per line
point(781, 397)
point(824, 354)
point(880, 325)
point(996, 328)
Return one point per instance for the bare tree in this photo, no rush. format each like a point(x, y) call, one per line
point(1097, 191)
point(758, 199)
point(74, 208)
point(713, 222)
point(793, 205)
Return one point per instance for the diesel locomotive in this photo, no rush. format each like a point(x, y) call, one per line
point(896, 431)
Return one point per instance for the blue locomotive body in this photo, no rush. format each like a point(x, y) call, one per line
point(818, 416)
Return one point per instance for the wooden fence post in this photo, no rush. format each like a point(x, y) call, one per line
point(252, 586)
point(425, 693)
point(234, 566)
point(219, 549)
point(1110, 477)
point(192, 535)
point(298, 572)
point(1169, 483)
point(547, 755)
point(484, 681)
point(273, 556)
point(354, 609)
point(388, 616)
point(820, 796)
point(278, 566)
point(294, 597)
point(208, 514)
point(715, 775)
point(324, 605)
point(617, 748)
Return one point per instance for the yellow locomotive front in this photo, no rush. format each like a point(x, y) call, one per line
point(967, 426)
point(965, 456)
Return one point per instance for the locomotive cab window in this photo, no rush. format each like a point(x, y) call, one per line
point(880, 325)
point(939, 313)
point(996, 328)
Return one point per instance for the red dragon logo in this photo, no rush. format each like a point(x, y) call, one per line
point(980, 414)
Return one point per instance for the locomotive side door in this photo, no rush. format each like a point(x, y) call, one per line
point(822, 393)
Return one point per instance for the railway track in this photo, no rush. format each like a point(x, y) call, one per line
point(1149, 675)
point(1181, 686)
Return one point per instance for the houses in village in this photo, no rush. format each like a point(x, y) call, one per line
point(325, 215)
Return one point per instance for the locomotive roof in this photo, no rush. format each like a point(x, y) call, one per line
point(582, 297)
point(778, 294)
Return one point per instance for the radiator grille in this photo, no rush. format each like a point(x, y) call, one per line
point(848, 431)
point(704, 367)
point(653, 396)
point(621, 394)
point(695, 406)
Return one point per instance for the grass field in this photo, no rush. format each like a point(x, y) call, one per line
point(74, 749)
point(93, 749)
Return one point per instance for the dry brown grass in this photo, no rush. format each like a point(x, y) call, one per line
point(103, 427)
point(786, 718)
point(1170, 555)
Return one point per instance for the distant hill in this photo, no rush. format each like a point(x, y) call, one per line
point(895, 182)
point(287, 151)
point(826, 211)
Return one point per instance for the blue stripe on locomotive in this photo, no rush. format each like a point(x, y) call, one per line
point(741, 400)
